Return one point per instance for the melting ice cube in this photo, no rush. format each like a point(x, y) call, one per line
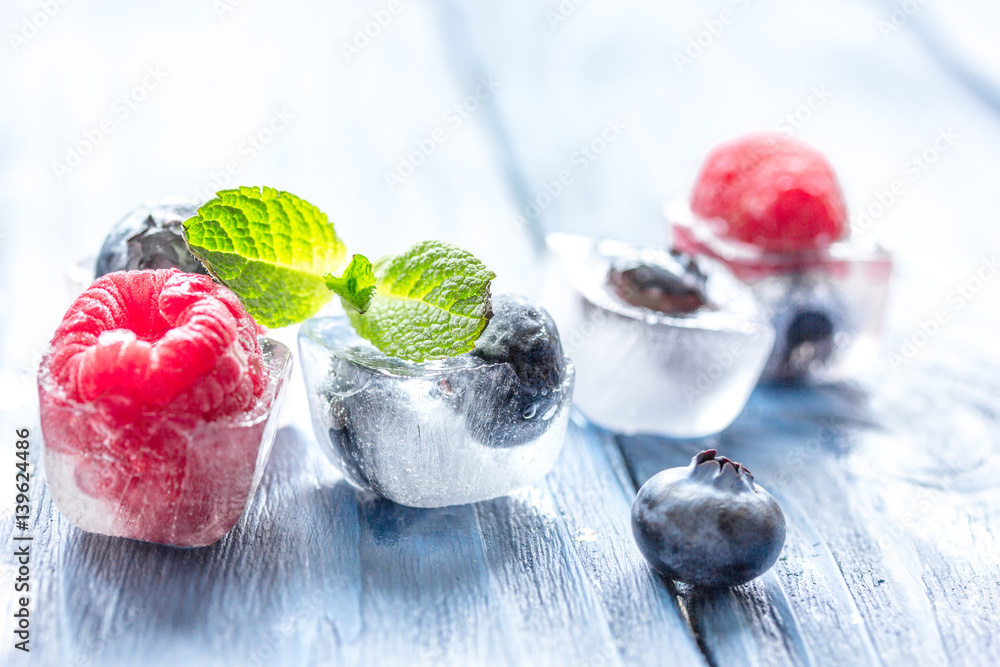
point(446, 432)
point(675, 348)
point(216, 465)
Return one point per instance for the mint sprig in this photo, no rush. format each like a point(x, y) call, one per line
point(432, 301)
point(282, 256)
point(356, 287)
point(271, 248)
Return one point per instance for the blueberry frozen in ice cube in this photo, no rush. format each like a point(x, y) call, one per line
point(676, 289)
point(662, 343)
point(446, 432)
point(522, 336)
point(151, 236)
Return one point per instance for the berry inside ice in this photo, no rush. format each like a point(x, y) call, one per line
point(151, 236)
point(771, 191)
point(520, 337)
point(678, 289)
point(523, 335)
point(142, 360)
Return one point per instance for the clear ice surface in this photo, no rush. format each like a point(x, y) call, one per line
point(219, 464)
point(640, 370)
point(438, 433)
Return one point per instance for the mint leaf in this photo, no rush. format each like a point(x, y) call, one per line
point(357, 286)
point(271, 248)
point(432, 302)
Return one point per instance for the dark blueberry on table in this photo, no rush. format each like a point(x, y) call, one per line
point(708, 524)
point(512, 400)
point(150, 237)
point(677, 287)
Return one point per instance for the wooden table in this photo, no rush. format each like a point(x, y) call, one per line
point(889, 484)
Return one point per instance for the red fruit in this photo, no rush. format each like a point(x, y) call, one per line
point(141, 361)
point(158, 339)
point(772, 191)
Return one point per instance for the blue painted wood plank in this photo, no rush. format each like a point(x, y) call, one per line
point(593, 494)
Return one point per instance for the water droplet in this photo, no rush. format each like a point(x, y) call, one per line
point(529, 412)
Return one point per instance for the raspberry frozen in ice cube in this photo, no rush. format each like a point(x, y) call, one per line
point(772, 191)
point(155, 399)
point(771, 209)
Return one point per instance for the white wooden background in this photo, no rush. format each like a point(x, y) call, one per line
point(890, 483)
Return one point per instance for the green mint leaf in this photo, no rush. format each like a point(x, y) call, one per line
point(271, 248)
point(433, 301)
point(357, 286)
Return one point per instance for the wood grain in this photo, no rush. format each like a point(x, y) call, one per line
point(889, 486)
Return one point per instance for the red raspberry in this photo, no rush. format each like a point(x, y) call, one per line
point(158, 339)
point(140, 361)
point(772, 191)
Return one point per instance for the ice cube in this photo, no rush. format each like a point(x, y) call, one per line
point(151, 236)
point(827, 306)
point(686, 372)
point(446, 432)
point(220, 464)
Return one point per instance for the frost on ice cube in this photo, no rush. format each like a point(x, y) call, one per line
point(151, 236)
point(827, 305)
point(446, 432)
point(662, 343)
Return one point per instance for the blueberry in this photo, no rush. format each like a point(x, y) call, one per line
point(509, 402)
point(708, 524)
point(150, 237)
point(523, 335)
point(811, 322)
point(809, 339)
point(677, 287)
